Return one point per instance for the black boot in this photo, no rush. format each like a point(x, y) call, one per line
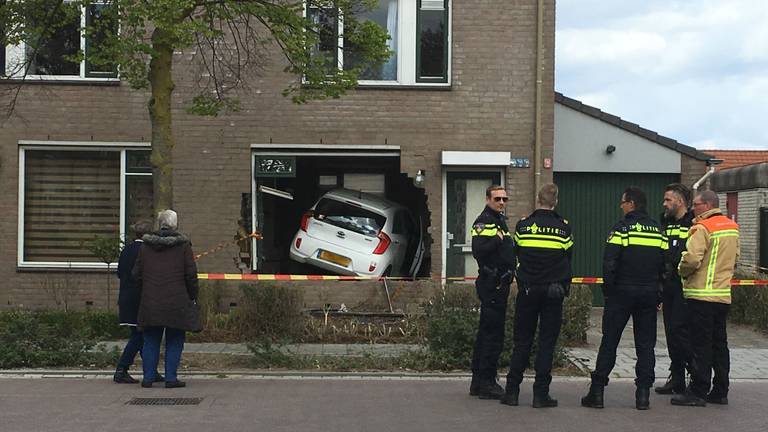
point(642, 398)
point(543, 401)
point(593, 399)
point(511, 396)
point(158, 377)
point(688, 399)
point(123, 377)
point(716, 398)
point(474, 386)
point(490, 389)
point(674, 385)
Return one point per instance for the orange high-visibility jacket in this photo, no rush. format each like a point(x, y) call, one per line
point(710, 256)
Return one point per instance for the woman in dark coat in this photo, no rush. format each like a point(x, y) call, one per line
point(167, 276)
point(128, 303)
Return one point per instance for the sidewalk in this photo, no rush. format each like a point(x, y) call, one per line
point(749, 351)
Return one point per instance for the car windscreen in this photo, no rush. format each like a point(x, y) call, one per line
point(348, 216)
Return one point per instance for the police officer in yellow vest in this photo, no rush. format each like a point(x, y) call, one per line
point(676, 221)
point(632, 267)
point(493, 249)
point(543, 247)
point(707, 267)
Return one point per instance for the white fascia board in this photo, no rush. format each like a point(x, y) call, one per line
point(468, 158)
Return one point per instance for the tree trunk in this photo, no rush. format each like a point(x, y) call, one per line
point(161, 85)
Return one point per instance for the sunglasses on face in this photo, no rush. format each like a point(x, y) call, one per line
point(497, 199)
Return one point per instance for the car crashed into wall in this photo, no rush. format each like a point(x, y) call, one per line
point(358, 234)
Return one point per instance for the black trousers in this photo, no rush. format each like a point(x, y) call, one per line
point(638, 302)
point(675, 312)
point(709, 344)
point(536, 304)
point(489, 341)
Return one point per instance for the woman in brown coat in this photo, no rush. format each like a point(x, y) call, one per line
point(167, 276)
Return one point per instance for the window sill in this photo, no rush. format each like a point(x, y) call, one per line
point(418, 87)
point(52, 269)
point(35, 80)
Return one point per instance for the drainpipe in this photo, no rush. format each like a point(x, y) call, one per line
point(539, 68)
point(711, 163)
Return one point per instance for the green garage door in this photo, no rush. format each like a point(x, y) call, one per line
point(590, 202)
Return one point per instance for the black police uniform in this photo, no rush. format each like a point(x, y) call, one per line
point(632, 267)
point(675, 310)
point(543, 248)
point(496, 261)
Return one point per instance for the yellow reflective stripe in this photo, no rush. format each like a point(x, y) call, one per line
point(543, 241)
point(645, 234)
point(725, 233)
point(638, 241)
point(679, 232)
point(485, 233)
point(712, 263)
point(618, 240)
point(696, 292)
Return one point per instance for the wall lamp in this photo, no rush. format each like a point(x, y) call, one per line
point(419, 179)
point(610, 149)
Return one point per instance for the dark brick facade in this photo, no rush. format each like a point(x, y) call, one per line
point(489, 107)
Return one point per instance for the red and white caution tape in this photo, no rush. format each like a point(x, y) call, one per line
point(290, 277)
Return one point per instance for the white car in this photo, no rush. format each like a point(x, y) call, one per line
point(357, 234)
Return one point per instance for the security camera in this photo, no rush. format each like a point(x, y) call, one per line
point(610, 149)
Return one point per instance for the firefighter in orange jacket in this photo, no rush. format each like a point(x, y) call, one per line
point(707, 267)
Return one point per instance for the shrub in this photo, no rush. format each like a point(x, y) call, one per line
point(452, 318)
point(269, 311)
point(48, 339)
point(749, 304)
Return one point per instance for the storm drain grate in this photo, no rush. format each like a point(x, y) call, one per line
point(164, 401)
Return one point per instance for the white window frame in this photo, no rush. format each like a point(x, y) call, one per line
point(16, 54)
point(25, 145)
point(406, 47)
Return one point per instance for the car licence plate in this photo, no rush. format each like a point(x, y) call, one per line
point(334, 258)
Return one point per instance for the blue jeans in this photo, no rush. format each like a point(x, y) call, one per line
point(134, 345)
point(174, 345)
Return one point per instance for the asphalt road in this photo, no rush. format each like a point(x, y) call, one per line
point(334, 404)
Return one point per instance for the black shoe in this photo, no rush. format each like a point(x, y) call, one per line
point(688, 399)
point(544, 401)
point(593, 399)
point(175, 384)
point(474, 386)
point(716, 398)
point(674, 385)
point(490, 390)
point(123, 377)
point(642, 396)
point(158, 377)
point(511, 396)
point(146, 384)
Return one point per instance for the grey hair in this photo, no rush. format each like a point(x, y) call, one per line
point(710, 198)
point(167, 219)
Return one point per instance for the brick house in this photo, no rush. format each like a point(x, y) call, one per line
point(73, 157)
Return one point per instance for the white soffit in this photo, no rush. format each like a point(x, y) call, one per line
point(476, 158)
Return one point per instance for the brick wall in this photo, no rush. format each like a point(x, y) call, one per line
point(490, 107)
point(691, 171)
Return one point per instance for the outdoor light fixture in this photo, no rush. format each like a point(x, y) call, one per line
point(610, 149)
point(419, 179)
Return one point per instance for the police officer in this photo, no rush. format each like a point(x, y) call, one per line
point(493, 249)
point(676, 222)
point(632, 266)
point(543, 245)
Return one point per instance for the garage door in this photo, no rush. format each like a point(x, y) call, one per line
point(590, 201)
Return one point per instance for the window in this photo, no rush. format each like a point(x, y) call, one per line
point(71, 196)
point(419, 39)
point(57, 55)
